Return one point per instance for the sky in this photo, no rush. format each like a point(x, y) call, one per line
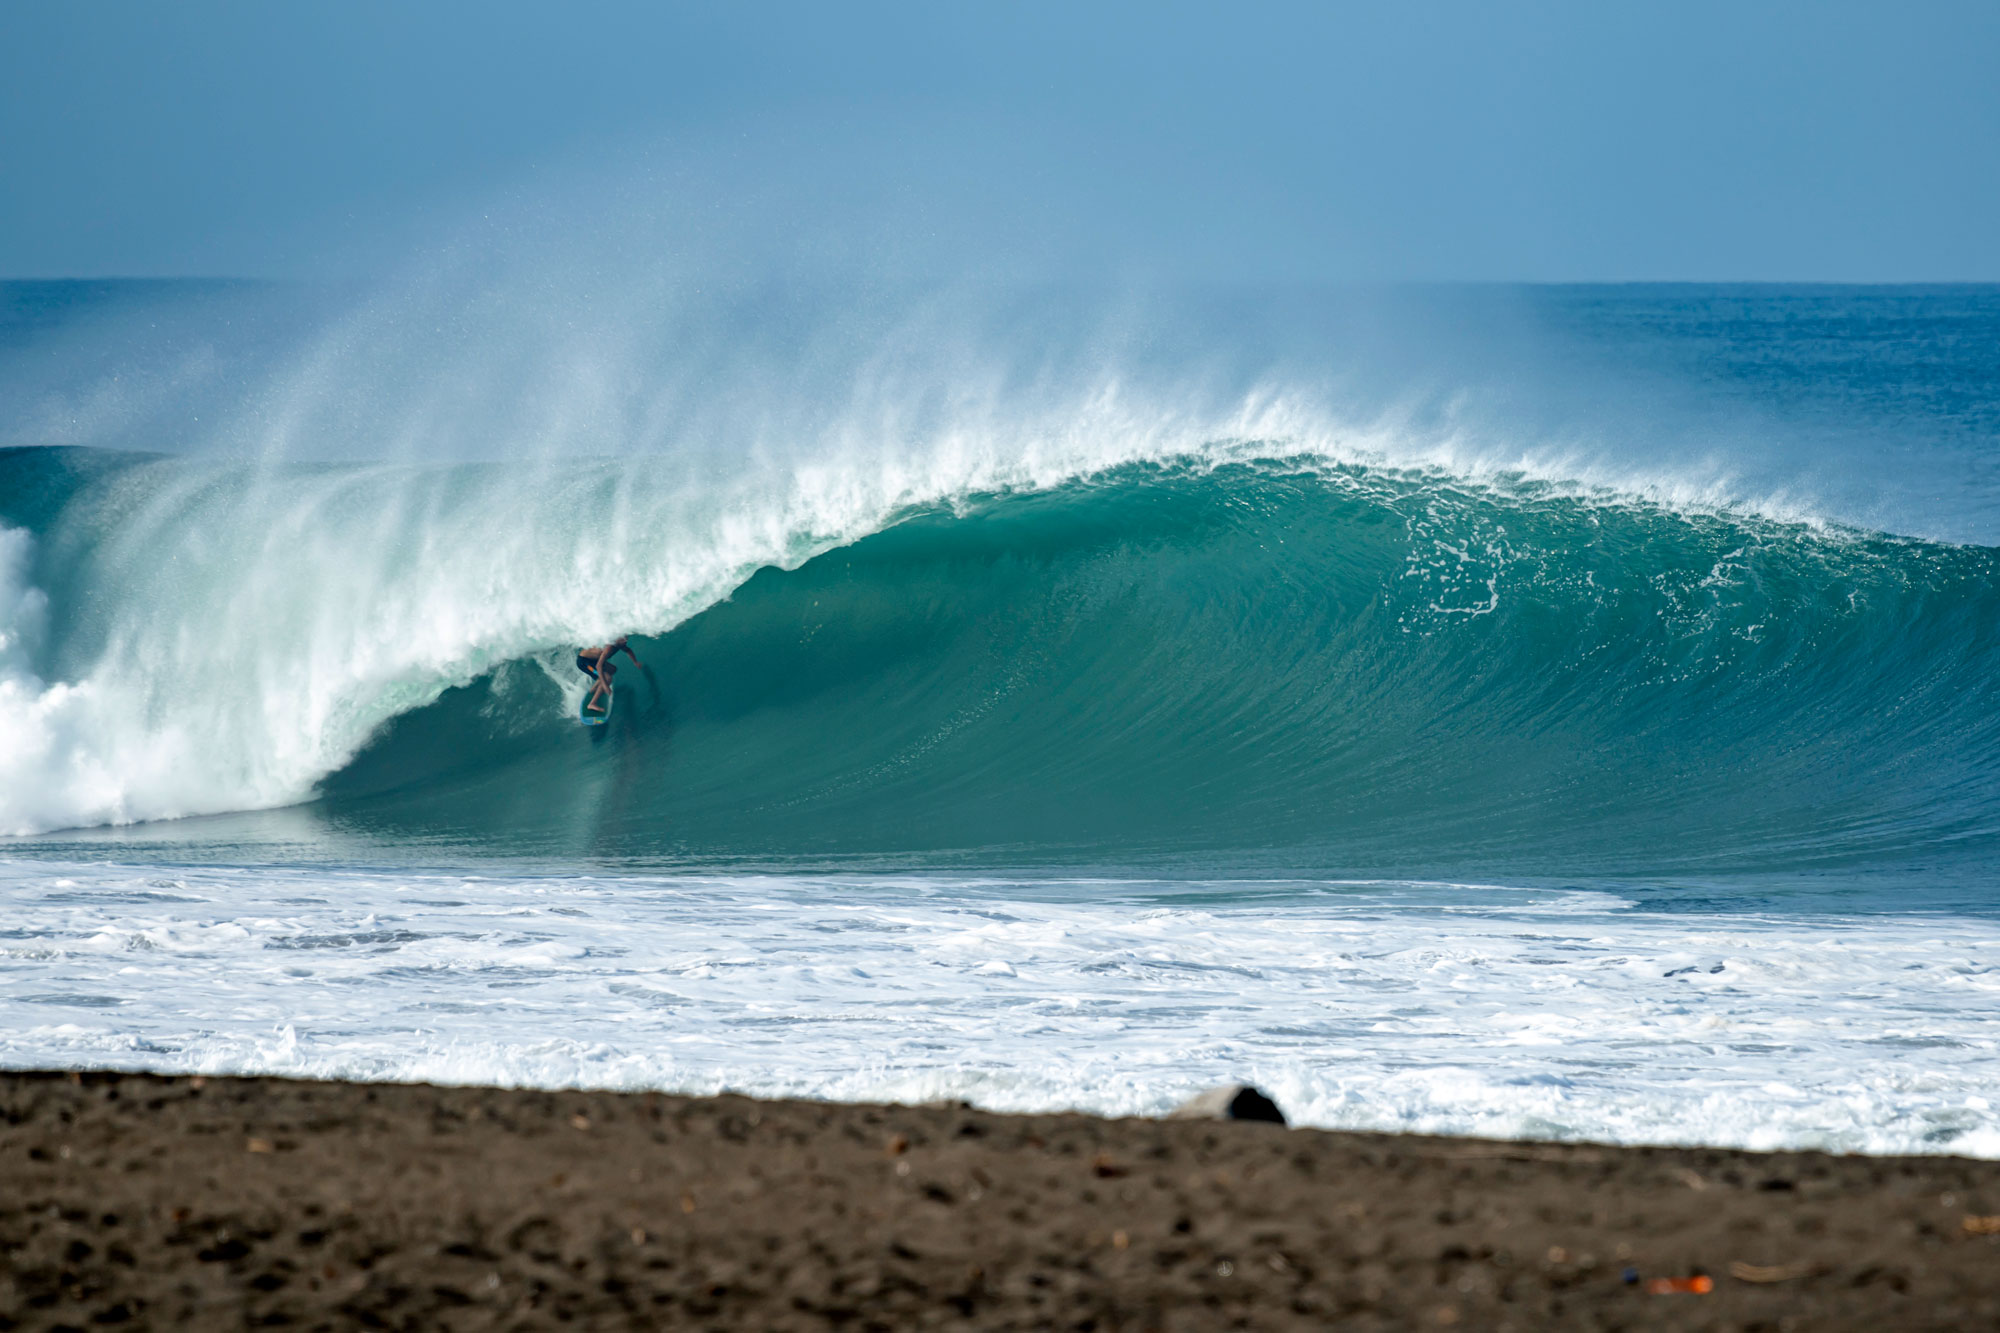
point(1553, 141)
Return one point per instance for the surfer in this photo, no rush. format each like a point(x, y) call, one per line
point(596, 663)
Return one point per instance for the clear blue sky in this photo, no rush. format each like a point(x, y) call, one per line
point(1536, 141)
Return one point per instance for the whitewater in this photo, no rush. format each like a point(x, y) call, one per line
point(1598, 742)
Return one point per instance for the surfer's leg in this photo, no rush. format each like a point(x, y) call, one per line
point(604, 674)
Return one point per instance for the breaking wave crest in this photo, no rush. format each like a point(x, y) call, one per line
point(1240, 650)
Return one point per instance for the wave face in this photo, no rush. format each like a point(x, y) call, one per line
point(1220, 659)
point(1328, 666)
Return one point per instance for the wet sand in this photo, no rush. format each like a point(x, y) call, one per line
point(139, 1202)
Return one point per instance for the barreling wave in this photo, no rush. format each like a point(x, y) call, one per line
point(1241, 658)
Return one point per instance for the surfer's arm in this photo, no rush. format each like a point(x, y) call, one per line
point(629, 653)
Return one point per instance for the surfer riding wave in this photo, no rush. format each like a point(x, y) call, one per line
point(596, 663)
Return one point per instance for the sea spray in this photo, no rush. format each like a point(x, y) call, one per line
point(240, 629)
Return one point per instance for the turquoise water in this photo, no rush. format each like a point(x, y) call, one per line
point(1659, 625)
point(1272, 666)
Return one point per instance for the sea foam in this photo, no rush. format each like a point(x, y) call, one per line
point(1441, 1008)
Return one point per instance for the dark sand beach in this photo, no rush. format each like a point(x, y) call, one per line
point(136, 1201)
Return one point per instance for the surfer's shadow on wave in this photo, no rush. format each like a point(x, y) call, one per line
point(638, 714)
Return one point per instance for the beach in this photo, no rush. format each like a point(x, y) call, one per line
point(194, 1202)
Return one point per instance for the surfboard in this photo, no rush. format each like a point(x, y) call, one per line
point(591, 717)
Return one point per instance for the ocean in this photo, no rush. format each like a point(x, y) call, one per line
point(1554, 712)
